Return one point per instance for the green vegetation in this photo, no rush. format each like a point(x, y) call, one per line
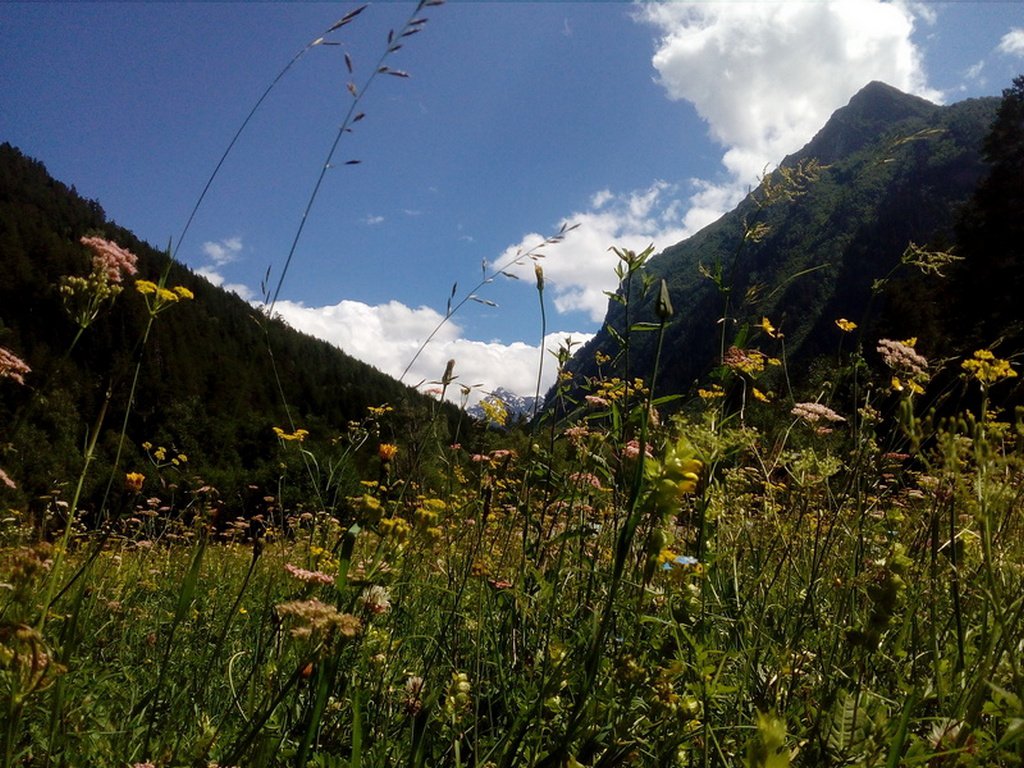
point(813, 564)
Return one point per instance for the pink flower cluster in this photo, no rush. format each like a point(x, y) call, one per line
point(110, 259)
point(310, 577)
point(12, 366)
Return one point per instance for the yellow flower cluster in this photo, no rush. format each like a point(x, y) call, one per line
point(298, 435)
point(616, 389)
point(987, 368)
point(133, 481)
point(159, 298)
point(845, 325)
point(494, 410)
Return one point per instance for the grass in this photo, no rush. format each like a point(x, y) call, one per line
point(752, 581)
point(764, 591)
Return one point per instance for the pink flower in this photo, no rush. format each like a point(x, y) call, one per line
point(585, 478)
point(5, 480)
point(595, 402)
point(632, 449)
point(310, 577)
point(12, 366)
point(110, 259)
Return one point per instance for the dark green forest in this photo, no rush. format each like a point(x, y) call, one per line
point(207, 388)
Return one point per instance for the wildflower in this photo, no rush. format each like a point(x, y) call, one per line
point(12, 366)
point(716, 391)
point(845, 325)
point(395, 527)
point(632, 449)
point(109, 259)
point(766, 326)
point(585, 478)
point(379, 410)
point(298, 435)
point(596, 402)
point(375, 600)
point(458, 693)
point(679, 561)
point(6, 480)
point(815, 412)
point(133, 481)
point(674, 477)
point(759, 395)
point(494, 410)
point(158, 298)
point(386, 452)
point(413, 699)
point(987, 368)
point(313, 617)
point(901, 357)
point(748, 361)
point(308, 577)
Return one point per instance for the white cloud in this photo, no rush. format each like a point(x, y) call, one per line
point(373, 220)
point(388, 336)
point(581, 268)
point(1012, 43)
point(217, 279)
point(765, 76)
point(224, 251)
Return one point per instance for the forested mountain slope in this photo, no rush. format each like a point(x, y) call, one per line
point(207, 385)
point(822, 238)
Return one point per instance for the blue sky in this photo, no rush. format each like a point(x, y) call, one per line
point(639, 122)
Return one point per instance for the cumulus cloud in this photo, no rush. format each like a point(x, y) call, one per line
point(1012, 43)
point(220, 253)
point(223, 251)
point(581, 268)
point(388, 336)
point(765, 76)
point(217, 279)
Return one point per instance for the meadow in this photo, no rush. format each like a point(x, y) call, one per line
point(751, 581)
point(774, 569)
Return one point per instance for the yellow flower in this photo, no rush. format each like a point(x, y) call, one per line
point(759, 395)
point(987, 368)
point(145, 287)
point(386, 452)
point(846, 325)
point(183, 292)
point(298, 435)
point(710, 394)
point(133, 481)
point(766, 326)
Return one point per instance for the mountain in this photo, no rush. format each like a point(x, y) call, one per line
point(209, 387)
point(821, 238)
point(516, 407)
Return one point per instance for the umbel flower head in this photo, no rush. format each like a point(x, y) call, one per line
point(987, 368)
point(159, 298)
point(110, 260)
point(12, 366)
point(84, 297)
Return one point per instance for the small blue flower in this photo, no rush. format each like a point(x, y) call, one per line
point(680, 561)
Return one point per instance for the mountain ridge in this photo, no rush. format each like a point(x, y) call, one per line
point(889, 169)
